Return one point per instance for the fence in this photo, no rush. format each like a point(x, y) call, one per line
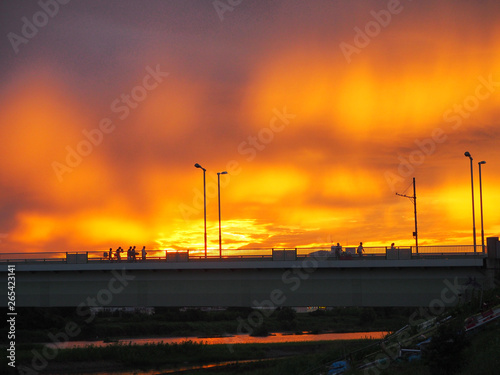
point(241, 254)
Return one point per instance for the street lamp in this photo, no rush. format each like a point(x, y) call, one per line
point(481, 203)
point(204, 204)
point(220, 234)
point(467, 154)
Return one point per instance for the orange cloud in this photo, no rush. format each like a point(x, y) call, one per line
point(317, 179)
point(267, 186)
point(41, 121)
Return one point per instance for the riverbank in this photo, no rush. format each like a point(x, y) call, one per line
point(35, 324)
point(282, 337)
point(474, 353)
point(477, 355)
point(43, 324)
point(164, 358)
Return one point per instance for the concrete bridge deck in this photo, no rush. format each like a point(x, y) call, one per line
point(305, 281)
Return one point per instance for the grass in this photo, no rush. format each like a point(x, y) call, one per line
point(483, 356)
point(38, 322)
point(299, 356)
point(478, 357)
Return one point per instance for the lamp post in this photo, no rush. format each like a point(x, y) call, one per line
point(481, 203)
point(204, 204)
point(220, 233)
point(467, 154)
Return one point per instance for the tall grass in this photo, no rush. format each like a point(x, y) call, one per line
point(164, 356)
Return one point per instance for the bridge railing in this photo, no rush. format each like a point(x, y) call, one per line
point(247, 254)
point(53, 257)
point(447, 249)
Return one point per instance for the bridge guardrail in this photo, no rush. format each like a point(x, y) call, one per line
point(396, 254)
point(378, 252)
point(178, 256)
point(284, 254)
point(77, 258)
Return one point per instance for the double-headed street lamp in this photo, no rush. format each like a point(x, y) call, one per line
point(204, 204)
point(220, 233)
point(467, 154)
point(481, 203)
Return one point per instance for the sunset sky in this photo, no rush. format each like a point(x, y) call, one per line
point(320, 111)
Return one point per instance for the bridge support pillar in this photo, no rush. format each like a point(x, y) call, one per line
point(493, 260)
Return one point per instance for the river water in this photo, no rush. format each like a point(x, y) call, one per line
point(237, 339)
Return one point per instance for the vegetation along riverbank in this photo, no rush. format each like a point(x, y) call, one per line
point(452, 350)
point(34, 324)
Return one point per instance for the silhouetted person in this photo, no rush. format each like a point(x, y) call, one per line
point(361, 250)
point(117, 253)
point(134, 253)
point(143, 251)
point(129, 254)
point(110, 254)
point(392, 246)
point(338, 251)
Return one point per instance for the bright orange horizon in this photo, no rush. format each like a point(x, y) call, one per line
point(106, 111)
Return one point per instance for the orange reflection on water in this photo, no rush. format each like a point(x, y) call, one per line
point(238, 339)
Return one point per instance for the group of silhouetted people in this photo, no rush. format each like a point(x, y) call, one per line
point(131, 254)
point(339, 254)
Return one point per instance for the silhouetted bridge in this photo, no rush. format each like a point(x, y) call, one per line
point(277, 278)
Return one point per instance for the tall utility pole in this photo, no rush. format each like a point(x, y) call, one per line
point(414, 200)
point(481, 202)
point(467, 154)
point(204, 203)
point(220, 233)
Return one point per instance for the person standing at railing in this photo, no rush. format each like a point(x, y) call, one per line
point(143, 251)
point(338, 250)
point(361, 250)
point(117, 254)
point(110, 254)
point(392, 246)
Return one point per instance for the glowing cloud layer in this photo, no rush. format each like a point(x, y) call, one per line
point(316, 145)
